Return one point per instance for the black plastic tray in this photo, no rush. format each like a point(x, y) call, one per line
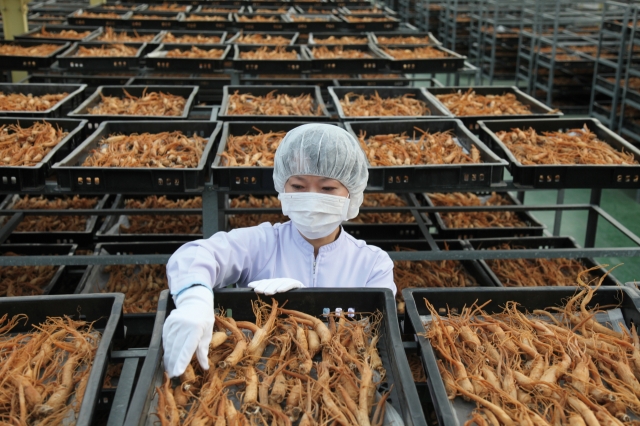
point(533, 229)
point(94, 279)
point(562, 175)
point(159, 61)
point(324, 35)
point(31, 35)
point(538, 109)
point(243, 178)
point(171, 21)
point(530, 299)
point(30, 62)
point(74, 98)
point(373, 36)
point(404, 397)
point(427, 66)
point(19, 178)
point(207, 25)
point(83, 238)
point(136, 179)
point(279, 25)
point(269, 66)
point(23, 249)
point(374, 231)
point(437, 111)
point(400, 81)
point(541, 243)
point(103, 310)
point(46, 18)
point(208, 8)
point(75, 18)
point(391, 24)
point(293, 35)
point(222, 34)
point(264, 90)
point(210, 84)
point(328, 23)
point(374, 64)
point(189, 93)
point(436, 176)
point(98, 63)
point(103, 234)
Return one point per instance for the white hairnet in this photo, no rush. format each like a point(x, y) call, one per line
point(323, 150)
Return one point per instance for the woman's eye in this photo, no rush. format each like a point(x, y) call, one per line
point(298, 187)
point(328, 189)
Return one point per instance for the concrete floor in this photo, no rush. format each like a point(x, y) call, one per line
point(621, 204)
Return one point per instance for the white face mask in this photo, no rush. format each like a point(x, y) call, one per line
point(314, 215)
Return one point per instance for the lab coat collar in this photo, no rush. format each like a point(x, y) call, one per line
point(307, 247)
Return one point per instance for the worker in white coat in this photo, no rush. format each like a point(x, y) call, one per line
point(320, 173)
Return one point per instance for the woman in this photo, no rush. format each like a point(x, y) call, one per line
point(320, 173)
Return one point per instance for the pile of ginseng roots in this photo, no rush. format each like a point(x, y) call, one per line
point(53, 223)
point(163, 224)
point(553, 366)
point(428, 273)
point(45, 370)
point(27, 146)
point(356, 105)
point(25, 280)
point(576, 146)
point(149, 103)
point(496, 219)
point(404, 150)
point(470, 103)
point(294, 368)
point(272, 103)
point(29, 102)
point(558, 272)
point(141, 285)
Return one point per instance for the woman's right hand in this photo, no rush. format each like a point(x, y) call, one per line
point(188, 330)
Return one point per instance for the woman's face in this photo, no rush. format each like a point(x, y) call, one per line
point(322, 185)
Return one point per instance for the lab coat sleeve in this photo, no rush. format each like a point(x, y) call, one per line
point(223, 259)
point(382, 273)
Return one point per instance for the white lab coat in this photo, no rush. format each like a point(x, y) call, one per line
point(278, 251)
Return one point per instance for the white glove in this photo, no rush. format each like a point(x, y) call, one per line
point(188, 330)
point(275, 285)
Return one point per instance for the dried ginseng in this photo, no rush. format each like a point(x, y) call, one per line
point(252, 150)
point(417, 370)
point(340, 40)
point(163, 224)
point(265, 10)
point(366, 19)
point(262, 39)
point(577, 146)
point(196, 52)
point(66, 34)
point(164, 150)
point(24, 280)
point(246, 220)
point(269, 53)
point(354, 105)
point(425, 273)
point(53, 223)
point(191, 39)
point(496, 219)
point(28, 146)
point(168, 7)
point(408, 39)
point(160, 17)
point(423, 52)
point(29, 102)
point(40, 50)
point(123, 36)
point(258, 18)
point(47, 368)
point(383, 200)
point(298, 18)
point(403, 150)
point(141, 285)
point(272, 104)
point(338, 52)
point(153, 103)
point(106, 15)
point(111, 50)
point(293, 361)
point(530, 367)
point(209, 18)
point(469, 103)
